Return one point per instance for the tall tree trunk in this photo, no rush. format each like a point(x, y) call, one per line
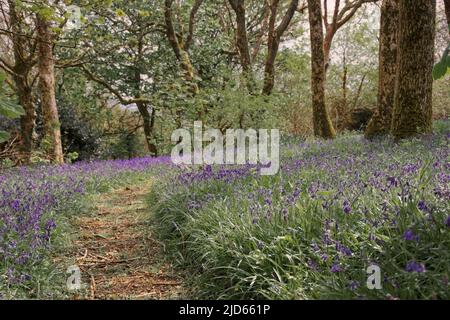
point(52, 130)
point(341, 120)
point(447, 11)
point(413, 94)
point(269, 69)
point(22, 68)
point(148, 125)
point(242, 42)
point(27, 122)
point(148, 119)
point(380, 124)
point(330, 30)
point(321, 119)
point(327, 42)
point(273, 42)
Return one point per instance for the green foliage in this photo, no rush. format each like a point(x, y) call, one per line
point(442, 67)
point(4, 136)
point(72, 157)
point(8, 108)
point(126, 146)
point(82, 118)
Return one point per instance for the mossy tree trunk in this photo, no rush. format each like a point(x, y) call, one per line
point(52, 130)
point(23, 65)
point(321, 119)
point(181, 47)
point(413, 93)
point(380, 124)
point(28, 121)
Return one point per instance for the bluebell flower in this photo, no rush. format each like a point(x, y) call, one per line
point(414, 266)
point(312, 265)
point(335, 268)
point(346, 207)
point(422, 206)
point(392, 181)
point(344, 250)
point(410, 236)
point(353, 285)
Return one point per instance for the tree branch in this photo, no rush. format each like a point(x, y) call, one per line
point(192, 17)
point(170, 30)
point(287, 18)
point(112, 90)
point(350, 9)
point(6, 66)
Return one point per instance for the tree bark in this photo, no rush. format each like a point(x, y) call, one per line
point(328, 41)
point(148, 119)
point(273, 43)
point(447, 11)
point(380, 124)
point(22, 68)
point(52, 131)
point(148, 125)
point(330, 30)
point(27, 122)
point(321, 119)
point(413, 93)
point(341, 105)
point(242, 42)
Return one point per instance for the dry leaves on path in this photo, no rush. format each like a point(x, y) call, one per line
point(117, 254)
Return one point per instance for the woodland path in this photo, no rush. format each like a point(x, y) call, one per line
point(118, 255)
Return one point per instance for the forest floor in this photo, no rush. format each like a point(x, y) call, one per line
point(117, 253)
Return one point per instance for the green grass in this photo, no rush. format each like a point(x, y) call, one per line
point(254, 237)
